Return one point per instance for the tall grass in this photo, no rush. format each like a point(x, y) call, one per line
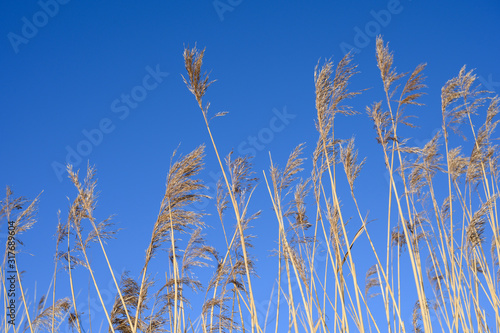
point(441, 221)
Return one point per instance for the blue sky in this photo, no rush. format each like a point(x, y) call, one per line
point(112, 71)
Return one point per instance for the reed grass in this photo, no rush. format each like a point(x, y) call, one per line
point(441, 221)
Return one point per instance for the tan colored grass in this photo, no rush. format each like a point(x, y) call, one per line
point(441, 231)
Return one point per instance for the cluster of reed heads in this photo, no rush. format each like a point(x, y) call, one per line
point(442, 221)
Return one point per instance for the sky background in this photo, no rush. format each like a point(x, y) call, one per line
point(68, 76)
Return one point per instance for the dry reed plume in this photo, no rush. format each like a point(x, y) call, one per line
point(440, 221)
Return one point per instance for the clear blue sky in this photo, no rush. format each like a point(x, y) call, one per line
point(116, 65)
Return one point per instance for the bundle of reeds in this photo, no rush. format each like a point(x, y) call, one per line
point(441, 219)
